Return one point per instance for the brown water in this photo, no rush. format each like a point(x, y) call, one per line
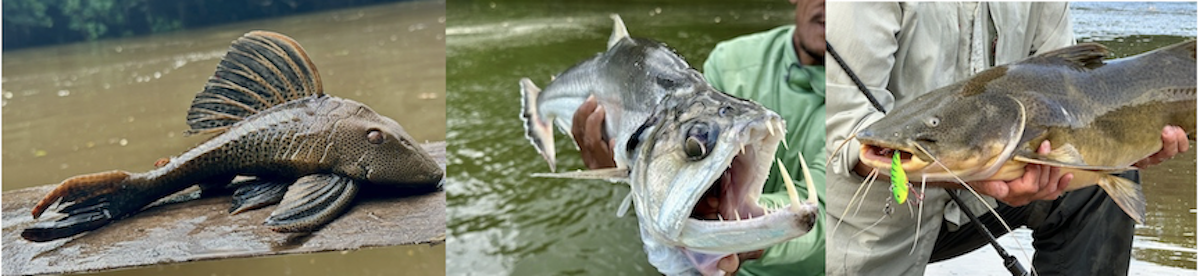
point(120, 104)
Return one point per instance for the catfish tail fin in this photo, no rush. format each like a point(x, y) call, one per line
point(90, 201)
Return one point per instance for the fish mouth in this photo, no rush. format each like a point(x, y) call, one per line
point(733, 196)
point(726, 217)
point(880, 157)
point(920, 165)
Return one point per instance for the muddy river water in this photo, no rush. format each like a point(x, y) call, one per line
point(120, 104)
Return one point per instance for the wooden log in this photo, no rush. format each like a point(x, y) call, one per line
point(203, 229)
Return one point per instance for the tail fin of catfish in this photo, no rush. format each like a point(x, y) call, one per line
point(1126, 194)
point(538, 130)
point(262, 69)
point(90, 201)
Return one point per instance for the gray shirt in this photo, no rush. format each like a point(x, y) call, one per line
point(899, 51)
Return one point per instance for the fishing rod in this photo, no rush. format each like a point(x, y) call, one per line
point(1010, 262)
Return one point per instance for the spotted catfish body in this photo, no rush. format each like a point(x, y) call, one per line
point(1101, 116)
point(309, 152)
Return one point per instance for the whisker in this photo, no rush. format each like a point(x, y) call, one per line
point(870, 182)
point(920, 210)
point(870, 177)
point(839, 149)
point(980, 198)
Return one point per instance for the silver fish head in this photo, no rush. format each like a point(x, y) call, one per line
point(709, 142)
point(376, 149)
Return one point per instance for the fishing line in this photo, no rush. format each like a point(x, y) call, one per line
point(853, 77)
point(1010, 262)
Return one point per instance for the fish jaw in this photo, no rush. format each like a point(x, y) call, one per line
point(993, 166)
point(735, 174)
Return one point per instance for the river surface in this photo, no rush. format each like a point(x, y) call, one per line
point(1166, 243)
point(501, 220)
point(120, 104)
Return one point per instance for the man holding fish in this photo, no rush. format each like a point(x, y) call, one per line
point(782, 69)
point(902, 50)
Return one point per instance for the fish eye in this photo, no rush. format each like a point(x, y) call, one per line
point(375, 136)
point(701, 138)
point(932, 121)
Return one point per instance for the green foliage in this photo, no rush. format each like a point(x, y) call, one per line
point(27, 13)
point(29, 23)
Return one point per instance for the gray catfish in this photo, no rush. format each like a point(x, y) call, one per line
point(676, 139)
point(309, 151)
point(1100, 116)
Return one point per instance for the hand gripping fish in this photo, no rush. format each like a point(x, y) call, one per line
point(1100, 116)
point(309, 151)
point(676, 139)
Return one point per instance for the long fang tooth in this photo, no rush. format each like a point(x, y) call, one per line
point(812, 190)
point(719, 217)
point(735, 214)
point(791, 189)
point(771, 129)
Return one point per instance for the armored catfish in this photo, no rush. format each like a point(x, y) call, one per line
point(309, 152)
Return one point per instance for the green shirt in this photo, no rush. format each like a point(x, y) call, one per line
point(763, 67)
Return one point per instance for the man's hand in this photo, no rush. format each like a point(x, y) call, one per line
point(1040, 182)
point(1174, 141)
point(588, 129)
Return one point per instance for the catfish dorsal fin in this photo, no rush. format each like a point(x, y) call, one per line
point(1083, 55)
point(619, 31)
point(261, 70)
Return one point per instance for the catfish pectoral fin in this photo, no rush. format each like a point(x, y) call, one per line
point(1066, 156)
point(258, 193)
point(1126, 194)
point(312, 202)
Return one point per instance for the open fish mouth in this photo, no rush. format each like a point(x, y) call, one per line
point(732, 196)
point(922, 165)
point(880, 157)
point(727, 218)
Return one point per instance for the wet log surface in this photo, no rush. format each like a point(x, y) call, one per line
point(202, 229)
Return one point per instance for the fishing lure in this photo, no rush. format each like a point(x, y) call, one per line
point(899, 180)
